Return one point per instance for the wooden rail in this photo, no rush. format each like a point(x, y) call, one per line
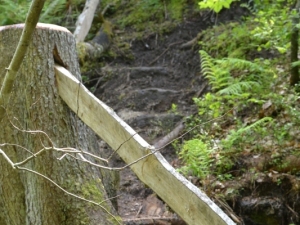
point(190, 203)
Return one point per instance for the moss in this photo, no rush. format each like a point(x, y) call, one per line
point(176, 8)
point(88, 66)
point(136, 13)
point(121, 96)
point(90, 190)
point(113, 220)
point(107, 28)
point(81, 52)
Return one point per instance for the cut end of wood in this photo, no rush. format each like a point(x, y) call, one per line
point(38, 26)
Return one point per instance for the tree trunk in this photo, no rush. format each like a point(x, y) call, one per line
point(294, 78)
point(26, 198)
point(85, 20)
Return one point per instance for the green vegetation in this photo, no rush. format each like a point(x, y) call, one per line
point(138, 13)
point(60, 12)
point(267, 30)
point(251, 111)
point(146, 16)
point(216, 6)
point(196, 155)
point(251, 108)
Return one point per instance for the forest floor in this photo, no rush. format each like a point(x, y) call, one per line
point(151, 86)
point(142, 92)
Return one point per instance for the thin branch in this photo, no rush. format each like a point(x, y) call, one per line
point(16, 166)
point(31, 157)
point(18, 146)
point(34, 132)
point(7, 158)
point(115, 151)
point(165, 145)
point(152, 151)
point(69, 193)
point(11, 72)
point(72, 150)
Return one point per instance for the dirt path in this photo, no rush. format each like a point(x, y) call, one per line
point(142, 91)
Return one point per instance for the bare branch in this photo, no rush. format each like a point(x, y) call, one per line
point(115, 151)
point(18, 146)
point(7, 158)
point(31, 157)
point(69, 193)
point(33, 132)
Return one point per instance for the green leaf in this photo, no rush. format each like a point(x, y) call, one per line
point(215, 5)
point(281, 49)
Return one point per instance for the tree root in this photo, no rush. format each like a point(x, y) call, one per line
point(175, 43)
point(155, 220)
point(170, 136)
point(191, 43)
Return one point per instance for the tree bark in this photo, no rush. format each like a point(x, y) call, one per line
point(294, 78)
point(30, 24)
point(85, 20)
point(26, 198)
point(101, 42)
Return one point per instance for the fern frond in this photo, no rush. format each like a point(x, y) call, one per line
point(255, 126)
point(240, 64)
point(15, 11)
point(217, 77)
point(249, 7)
point(50, 7)
point(206, 63)
point(239, 88)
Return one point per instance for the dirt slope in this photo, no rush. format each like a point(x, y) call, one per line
point(141, 84)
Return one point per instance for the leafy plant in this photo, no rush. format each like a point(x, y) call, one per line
point(247, 134)
point(235, 83)
point(53, 11)
point(215, 5)
point(174, 109)
point(15, 11)
point(197, 158)
point(138, 13)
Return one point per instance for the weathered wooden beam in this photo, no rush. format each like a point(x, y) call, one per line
point(190, 203)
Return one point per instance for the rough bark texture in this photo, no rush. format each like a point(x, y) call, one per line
point(294, 79)
point(26, 198)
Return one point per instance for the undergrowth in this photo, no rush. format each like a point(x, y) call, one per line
point(252, 109)
point(58, 12)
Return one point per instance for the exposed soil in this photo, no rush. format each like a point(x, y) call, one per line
point(142, 91)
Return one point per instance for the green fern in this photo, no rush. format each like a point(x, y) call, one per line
point(53, 11)
point(15, 11)
point(240, 64)
point(217, 77)
point(236, 135)
point(239, 88)
point(197, 157)
point(250, 8)
point(251, 76)
point(52, 8)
